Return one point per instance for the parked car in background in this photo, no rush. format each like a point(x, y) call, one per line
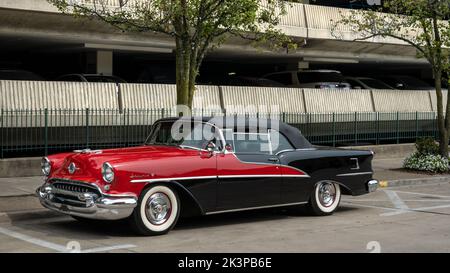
point(19, 75)
point(233, 80)
point(366, 83)
point(310, 79)
point(90, 78)
point(404, 82)
point(223, 170)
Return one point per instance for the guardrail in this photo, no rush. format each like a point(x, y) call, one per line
point(38, 95)
point(42, 132)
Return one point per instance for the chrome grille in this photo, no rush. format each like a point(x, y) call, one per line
point(75, 187)
point(68, 192)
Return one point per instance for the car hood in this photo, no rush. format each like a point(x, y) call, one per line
point(91, 161)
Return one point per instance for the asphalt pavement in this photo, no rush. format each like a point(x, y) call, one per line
point(412, 218)
point(399, 219)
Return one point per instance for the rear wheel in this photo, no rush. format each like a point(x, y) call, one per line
point(157, 211)
point(325, 198)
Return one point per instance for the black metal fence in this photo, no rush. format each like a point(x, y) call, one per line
point(41, 132)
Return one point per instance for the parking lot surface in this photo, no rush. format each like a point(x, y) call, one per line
point(400, 219)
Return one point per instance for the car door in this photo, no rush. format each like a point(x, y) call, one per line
point(249, 174)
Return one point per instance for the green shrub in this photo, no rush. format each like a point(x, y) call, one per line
point(426, 162)
point(427, 146)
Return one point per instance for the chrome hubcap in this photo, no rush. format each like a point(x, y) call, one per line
point(158, 208)
point(327, 194)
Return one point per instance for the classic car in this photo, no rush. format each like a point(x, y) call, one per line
point(204, 166)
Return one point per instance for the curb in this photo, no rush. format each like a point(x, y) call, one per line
point(415, 181)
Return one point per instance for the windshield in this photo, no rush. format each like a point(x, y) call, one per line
point(310, 77)
point(414, 83)
point(185, 134)
point(104, 79)
point(376, 84)
point(19, 75)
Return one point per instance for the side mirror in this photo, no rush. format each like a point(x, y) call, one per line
point(228, 148)
point(208, 150)
point(210, 147)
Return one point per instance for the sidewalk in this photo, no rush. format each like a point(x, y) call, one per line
point(384, 171)
point(19, 186)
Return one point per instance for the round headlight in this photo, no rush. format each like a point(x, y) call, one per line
point(46, 166)
point(107, 172)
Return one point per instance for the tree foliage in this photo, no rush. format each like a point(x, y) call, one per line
point(423, 24)
point(197, 26)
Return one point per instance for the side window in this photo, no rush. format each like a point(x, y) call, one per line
point(279, 142)
point(353, 83)
point(251, 143)
point(284, 78)
point(200, 134)
point(71, 78)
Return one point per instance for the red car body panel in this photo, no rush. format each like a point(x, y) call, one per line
point(155, 163)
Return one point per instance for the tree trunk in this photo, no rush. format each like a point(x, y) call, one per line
point(447, 119)
point(441, 119)
point(193, 72)
point(183, 69)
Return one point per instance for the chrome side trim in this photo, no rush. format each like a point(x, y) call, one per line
point(296, 175)
point(354, 174)
point(262, 175)
point(212, 177)
point(285, 151)
point(248, 176)
point(252, 208)
point(172, 179)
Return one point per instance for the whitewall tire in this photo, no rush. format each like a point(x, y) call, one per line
point(325, 198)
point(157, 211)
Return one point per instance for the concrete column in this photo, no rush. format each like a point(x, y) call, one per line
point(104, 62)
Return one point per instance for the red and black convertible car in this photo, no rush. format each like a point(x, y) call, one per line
point(203, 166)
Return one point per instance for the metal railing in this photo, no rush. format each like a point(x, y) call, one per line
point(42, 132)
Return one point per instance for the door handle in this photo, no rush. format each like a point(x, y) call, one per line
point(273, 159)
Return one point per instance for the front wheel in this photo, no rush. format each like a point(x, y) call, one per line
point(157, 211)
point(325, 198)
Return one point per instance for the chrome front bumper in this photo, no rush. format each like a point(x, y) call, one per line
point(88, 205)
point(372, 185)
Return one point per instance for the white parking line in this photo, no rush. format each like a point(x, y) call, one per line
point(369, 206)
point(396, 200)
point(57, 247)
point(33, 240)
point(107, 248)
point(424, 194)
point(401, 211)
point(404, 200)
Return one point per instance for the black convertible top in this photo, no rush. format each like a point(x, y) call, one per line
point(240, 123)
